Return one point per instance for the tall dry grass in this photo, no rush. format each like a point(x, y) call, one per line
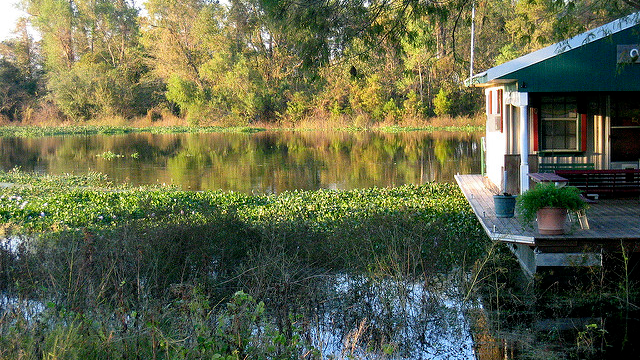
point(48, 115)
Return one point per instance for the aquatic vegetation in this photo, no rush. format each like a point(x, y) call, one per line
point(108, 155)
point(466, 128)
point(370, 273)
point(564, 313)
point(46, 182)
point(435, 210)
point(38, 131)
point(153, 271)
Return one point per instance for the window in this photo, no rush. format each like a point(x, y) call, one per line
point(625, 127)
point(494, 110)
point(559, 123)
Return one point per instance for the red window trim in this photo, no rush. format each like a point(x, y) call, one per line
point(534, 119)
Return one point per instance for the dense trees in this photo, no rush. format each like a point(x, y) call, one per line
point(20, 75)
point(92, 56)
point(270, 60)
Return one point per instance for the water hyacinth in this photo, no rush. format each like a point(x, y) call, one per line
point(142, 254)
point(435, 206)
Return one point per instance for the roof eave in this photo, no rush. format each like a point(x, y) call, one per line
point(480, 81)
point(535, 57)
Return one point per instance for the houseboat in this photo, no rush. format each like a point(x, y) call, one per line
point(570, 111)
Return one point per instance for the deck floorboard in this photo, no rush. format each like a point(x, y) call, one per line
point(610, 220)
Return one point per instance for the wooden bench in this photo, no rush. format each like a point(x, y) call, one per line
point(614, 183)
point(552, 167)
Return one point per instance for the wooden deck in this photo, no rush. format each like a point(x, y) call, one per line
point(611, 223)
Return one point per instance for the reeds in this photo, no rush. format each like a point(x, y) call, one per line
point(163, 118)
point(169, 274)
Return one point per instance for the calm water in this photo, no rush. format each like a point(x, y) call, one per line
point(260, 162)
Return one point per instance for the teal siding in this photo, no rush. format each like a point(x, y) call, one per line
point(591, 67)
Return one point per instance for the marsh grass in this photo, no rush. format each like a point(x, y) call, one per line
point(49, 116)
point(564, 313)
point(117, 272)
point(172, 124)
point(186, 275)
point(158, 273)
point(39, 131)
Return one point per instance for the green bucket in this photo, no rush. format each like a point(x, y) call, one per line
point(504, 205)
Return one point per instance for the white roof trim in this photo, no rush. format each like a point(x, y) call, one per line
point(556, 49)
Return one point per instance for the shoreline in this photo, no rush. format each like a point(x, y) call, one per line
point(24, 131)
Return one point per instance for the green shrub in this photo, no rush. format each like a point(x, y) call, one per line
point(412, 105)
point(297, 106)
point(443, 102)
point(548, 195)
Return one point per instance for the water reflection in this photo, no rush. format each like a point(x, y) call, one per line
point(372, 318)
point(261, 162)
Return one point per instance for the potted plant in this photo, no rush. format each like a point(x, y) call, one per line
point(549, 204)
point(504, 204)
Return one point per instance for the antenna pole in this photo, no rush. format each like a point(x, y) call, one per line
point(473, 31)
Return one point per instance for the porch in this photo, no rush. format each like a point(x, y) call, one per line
point(612, 223)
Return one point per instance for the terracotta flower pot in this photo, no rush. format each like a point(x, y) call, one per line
point(551, 220)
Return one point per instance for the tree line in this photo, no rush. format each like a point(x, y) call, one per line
point(271, 60)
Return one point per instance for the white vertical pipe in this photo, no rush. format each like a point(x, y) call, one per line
point(504, 181)
point(524, 141)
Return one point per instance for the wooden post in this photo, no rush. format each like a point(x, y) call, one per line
point(523, 103)
point(512, 167)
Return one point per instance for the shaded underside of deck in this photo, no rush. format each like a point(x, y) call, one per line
point(612, 222)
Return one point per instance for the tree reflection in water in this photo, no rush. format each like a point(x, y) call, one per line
point(269, 161)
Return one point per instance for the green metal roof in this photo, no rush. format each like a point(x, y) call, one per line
point(587, 62)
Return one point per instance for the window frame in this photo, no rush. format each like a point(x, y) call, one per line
point(494, 107)
point(576, 117)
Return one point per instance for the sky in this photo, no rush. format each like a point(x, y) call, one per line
point(8, 16)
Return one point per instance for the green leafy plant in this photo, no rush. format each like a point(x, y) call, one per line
point(168, 274)
point(548, 195)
